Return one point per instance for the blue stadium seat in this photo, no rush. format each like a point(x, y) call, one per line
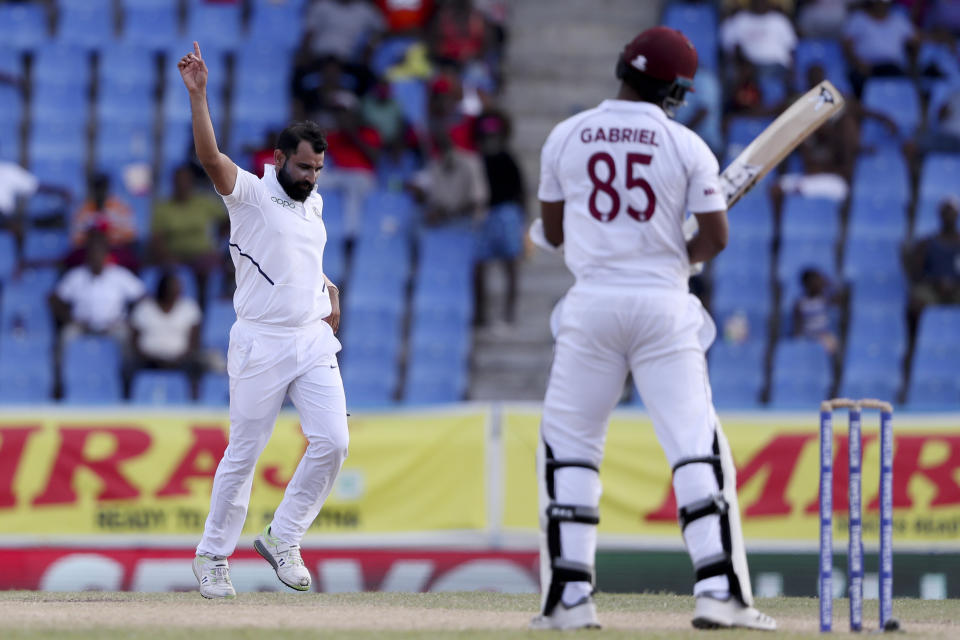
point(64, 171)
point(744, 256)
point(381, 262)
point(883, 176)
point(218, 318)
point(940, 327)
point(335, 259)
point(387, 213)
point(61, 64)
point(871, 256)
point(10, 147)
point(215, 390)
point(45, 245)
point(393, 173)
point(59, 103)
point(23, 26)
point(877, 218)
point(697, 21)
point(87, 24)
point(412, 97)
point(151, 387)
point(939, 56)
point(811, 218)
point(736, 373)
point(940, 92)
point(24, 313)
point(387, 307)
point(826, 53)
point(91, 371)
point(741, 130)
point(426, 384)
point(152, 24)
point(122, 103)
point(366, 347)
point(884, 294)
point(370, 384)
point(935, 377)
point(176, 107)
point(874, 382)
point(334, 220)
point(746, 294)
point(389, 52)
point(262, 99)
point(218, 24)
point(279, 23)
point(801, 375)
point(128, 64)
point(11, 104)
point(8, 256)
point(876, 333)
point(32, 285)
point(120, 144)
point(26, 380)
point(896, 98)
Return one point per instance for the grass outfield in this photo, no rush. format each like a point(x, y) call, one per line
point(359, 616)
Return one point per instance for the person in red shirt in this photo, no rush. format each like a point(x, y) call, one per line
point(352, 156)
point(406, 16)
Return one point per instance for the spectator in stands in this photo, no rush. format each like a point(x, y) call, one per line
point(166, 331)
point(316, 85)
point(184, 229)
point(353, 152)
point(16, 184)
point(459, 32)
point(878, 42)
point(933, 265)
point(823, 18)
point(445, 113)
point(342, 29)
point(811, 311)
point(452, 187)
point(109, 214)
point(500, 237)
point(93, 298)
point(406, 17)
point(762, 36)
point(379, 110)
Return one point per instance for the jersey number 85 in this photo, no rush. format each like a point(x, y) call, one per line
point(633, 181)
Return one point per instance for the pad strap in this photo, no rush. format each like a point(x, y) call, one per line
point(573, 513)
point(719, 565)
point(714, 461)
point(715, 504)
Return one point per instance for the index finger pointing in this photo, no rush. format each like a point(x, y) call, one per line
point(196, 48)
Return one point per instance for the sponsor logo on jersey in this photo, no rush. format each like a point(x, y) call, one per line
point(283, 203)
point(316, 211)
point(709, 191)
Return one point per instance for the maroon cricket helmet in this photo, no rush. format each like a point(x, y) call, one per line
point(661, 53)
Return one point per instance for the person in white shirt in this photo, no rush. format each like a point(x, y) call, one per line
point(616, 182)
point(762, 35)
point(166, 330)
point(93, 298)
point(282, 342)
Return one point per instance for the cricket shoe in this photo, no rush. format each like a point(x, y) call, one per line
point(285, 559)
point(213, 574)
point(715, 613)
point(582, 615)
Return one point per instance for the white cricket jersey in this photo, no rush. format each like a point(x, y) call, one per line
point(628, 174)
point(277, 247)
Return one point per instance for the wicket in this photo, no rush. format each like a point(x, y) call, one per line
point(855, 544)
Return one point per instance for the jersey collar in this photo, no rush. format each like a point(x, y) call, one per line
point(632, 105)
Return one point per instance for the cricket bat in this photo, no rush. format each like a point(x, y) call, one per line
point(775, 143)
point(778, 140)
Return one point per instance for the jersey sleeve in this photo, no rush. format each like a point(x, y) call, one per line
point(703, 187)
point(245, 191)
point(550, 188)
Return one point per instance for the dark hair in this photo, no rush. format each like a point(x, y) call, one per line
point(167, 279)
point(649, 89)
point(290, 138)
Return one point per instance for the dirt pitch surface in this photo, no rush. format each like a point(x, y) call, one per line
point(277, 616)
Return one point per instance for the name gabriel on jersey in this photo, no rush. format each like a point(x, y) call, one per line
point(619, 134)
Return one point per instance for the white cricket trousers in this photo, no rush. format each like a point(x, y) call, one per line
point(265, 362)
point(660, 336)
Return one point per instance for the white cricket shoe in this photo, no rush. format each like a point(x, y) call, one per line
point(285, 559)
point(713, 613)
point(213, 574)
point(582, 615)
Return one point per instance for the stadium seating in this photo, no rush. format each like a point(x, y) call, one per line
point(216, 24)
point(8, 255)
point(877, 218)
point(883, 176)
point(897, 99)
point(811, 218)
point(152, 387)
point(736, 373)
point(23, 26)
point(87, 23)
point(214, 390)
point(697, 21)
point(801, 375)
point(828, 54)
point(151, 24)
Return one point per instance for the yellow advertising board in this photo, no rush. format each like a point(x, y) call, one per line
point(91, 473)
point(778, 478)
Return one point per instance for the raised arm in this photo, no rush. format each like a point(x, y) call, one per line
point(220, 168)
